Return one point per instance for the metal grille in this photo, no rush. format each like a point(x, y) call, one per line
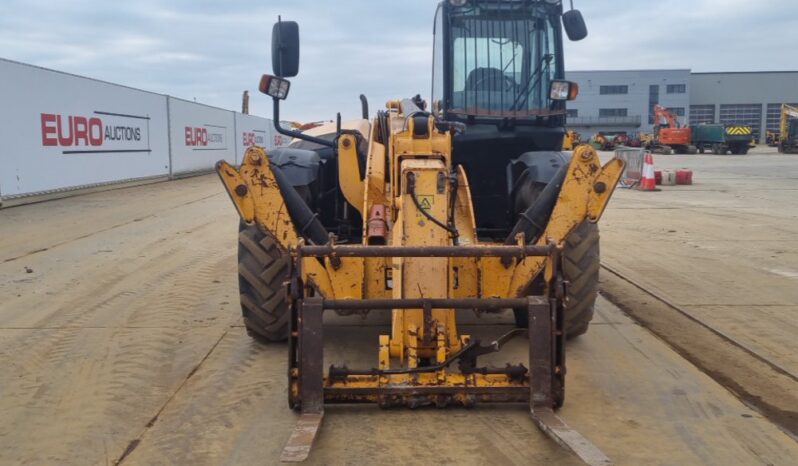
point(743, 114)
point(633, 166)
point(502, 61)
point(702, 114)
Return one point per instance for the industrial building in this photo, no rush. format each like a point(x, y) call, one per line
point(622, 101)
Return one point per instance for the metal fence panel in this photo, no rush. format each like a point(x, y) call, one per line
point(633, 170)
point(63, 131)
point(200, 136)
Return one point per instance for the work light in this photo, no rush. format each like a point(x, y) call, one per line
point(563, 90)
point(274, 86)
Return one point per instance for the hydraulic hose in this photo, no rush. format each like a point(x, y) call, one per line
point(411, 190)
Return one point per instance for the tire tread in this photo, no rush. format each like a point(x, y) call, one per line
point(262, 273)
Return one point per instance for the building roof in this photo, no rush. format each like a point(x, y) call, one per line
point(660, 70)
point(629, 71)
point(744, 72)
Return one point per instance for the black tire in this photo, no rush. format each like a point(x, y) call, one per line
point(262, 273)
point(581, 261)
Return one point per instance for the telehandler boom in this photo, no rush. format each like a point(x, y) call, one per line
point(425, 214)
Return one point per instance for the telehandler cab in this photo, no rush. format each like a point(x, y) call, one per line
point(426, 213)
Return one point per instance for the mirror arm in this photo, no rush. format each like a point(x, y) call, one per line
point(296, 134)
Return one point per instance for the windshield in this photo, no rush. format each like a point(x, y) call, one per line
point(502, 61)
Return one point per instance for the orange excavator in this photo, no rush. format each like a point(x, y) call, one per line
point(670, 137)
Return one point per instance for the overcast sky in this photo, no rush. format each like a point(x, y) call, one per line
point(213, 50)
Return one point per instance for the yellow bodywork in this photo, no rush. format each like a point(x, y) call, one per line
point(571, 140)
point(426, 162)
point(787, 112)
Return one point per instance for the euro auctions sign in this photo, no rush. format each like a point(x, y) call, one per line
point(206, 137)
point(98, 133)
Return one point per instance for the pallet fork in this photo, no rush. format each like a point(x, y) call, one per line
point(542, 385)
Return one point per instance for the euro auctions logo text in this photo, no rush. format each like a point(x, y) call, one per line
point(206, 137)
point(253, 138)
point(103, 132)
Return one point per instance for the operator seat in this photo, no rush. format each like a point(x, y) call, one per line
point(485, 79)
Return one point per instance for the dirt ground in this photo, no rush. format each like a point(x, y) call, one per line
point(120, 337)
point(719, 263)
point(725, 249)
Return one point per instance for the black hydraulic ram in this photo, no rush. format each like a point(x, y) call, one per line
point(533, 221)
point(307, 223)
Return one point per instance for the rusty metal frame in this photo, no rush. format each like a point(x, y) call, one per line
point(542, 386)
point(545, 377)
point(330, 250)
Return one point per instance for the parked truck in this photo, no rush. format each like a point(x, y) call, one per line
point(721, 139)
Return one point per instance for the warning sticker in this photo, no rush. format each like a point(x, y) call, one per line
point(425, 201)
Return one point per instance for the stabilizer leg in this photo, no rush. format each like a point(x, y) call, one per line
point(543, 348)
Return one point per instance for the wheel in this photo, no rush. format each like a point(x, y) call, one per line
point(262, 273)
point(700, 149)
point(581, 260)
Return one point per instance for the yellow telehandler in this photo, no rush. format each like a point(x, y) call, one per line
point(427, 213)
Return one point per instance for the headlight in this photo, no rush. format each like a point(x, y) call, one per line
point(458, 2)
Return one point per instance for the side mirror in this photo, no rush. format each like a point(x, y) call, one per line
point(574, 25)
point(285, 49)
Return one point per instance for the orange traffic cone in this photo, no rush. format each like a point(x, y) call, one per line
point(647, 180)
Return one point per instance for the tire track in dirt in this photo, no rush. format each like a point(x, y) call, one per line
point(200, 423)
point(757, 382)
point(106, 229)
point(89, 400)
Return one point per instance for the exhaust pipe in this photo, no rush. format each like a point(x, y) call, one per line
point(364, 107)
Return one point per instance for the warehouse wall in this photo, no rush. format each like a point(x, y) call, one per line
point(743, 98)
point(63, 132)
point(671, 87)
point(750, 98)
